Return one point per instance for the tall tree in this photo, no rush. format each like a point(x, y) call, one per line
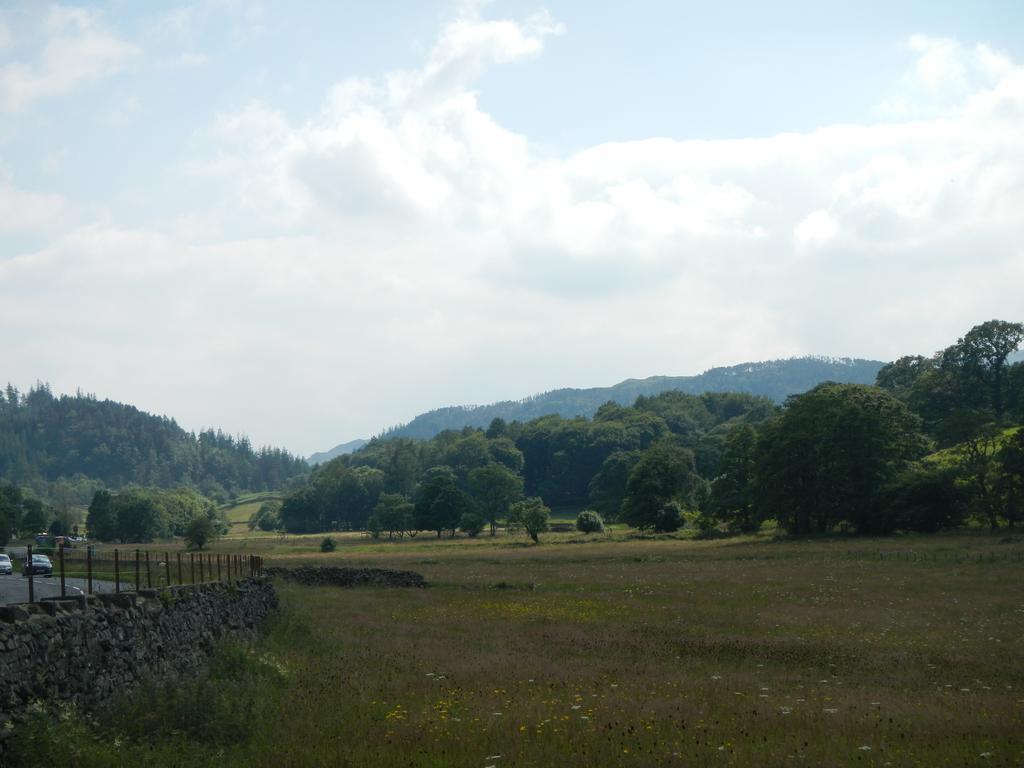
point(982, 353)
point(608, 487)
point(1011, 481)
point(732, 492)
point(440, 505)
point(664, 473)
point(495, 488)
point(825, 460)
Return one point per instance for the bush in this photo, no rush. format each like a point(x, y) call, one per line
point(200, 532)
point(669, 518)
point(589, 522)
point(328, 545)
point(472, 523)
point(532, 514)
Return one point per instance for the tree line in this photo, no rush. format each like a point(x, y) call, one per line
point(933, 444)
point(134, 514)
point(66, 448)
point(472, 479)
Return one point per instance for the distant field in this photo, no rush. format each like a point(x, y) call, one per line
point(615, 651)
point(240, 510)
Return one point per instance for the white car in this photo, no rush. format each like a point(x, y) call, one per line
point(6, 567)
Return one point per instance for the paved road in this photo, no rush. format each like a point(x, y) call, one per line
point(14, 588)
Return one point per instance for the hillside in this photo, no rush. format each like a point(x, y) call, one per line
point(776, 379)
point(339, 450)
point(74, 444)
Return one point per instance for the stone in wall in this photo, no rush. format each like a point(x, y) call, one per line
point(84, 650)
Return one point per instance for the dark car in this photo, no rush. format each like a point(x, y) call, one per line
point(41, 566)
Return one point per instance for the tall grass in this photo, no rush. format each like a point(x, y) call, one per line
point(606, 653)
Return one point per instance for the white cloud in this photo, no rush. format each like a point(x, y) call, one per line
point(818, 228)
point(23, 211)
point(74, 48)
point(413, 237)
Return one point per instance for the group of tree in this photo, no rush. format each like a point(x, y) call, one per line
point(68, 447)
point(935, 444)
point(137, 514)
point(23, 515)
point(471, 480)
point(931, 445)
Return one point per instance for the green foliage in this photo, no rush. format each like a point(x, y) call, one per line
point(826, 460)
point(267, 517)
point(669, 518)
point(732, 492)
point(472, 523)
point(328, 544)
point(15, 506)
point(337, 497)
point(440, 505)
point(35, 517)
point(771, 380)
point(495, 487)
point(68, 444)
point(965, 386)
point(199, 532)
point(664, 474)
point(589, 521)
point(607, 489)
point(144, 514)
point(393, 513)
point(1011, 483)
point(925, 498)
point(532, 515)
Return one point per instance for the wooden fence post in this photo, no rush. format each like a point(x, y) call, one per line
point(60, 558)
point(28, 568)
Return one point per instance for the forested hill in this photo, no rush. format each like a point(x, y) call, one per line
point(81, 442)
point(776, 379)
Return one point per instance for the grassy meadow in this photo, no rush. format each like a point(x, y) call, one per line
point(603, 651)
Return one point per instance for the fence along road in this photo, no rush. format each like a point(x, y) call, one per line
point(85, 571)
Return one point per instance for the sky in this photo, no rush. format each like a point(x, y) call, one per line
point(309, 221)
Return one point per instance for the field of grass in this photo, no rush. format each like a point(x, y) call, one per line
point(606, 651)
point(241, 509)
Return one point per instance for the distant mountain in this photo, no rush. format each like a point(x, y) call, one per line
point(339, 450)
point(776, 379)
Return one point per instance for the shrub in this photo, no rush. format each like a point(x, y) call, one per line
point(328, 545)
point(199, 532)
point(472, 523)
point(669, 518)
point(589, 522)
point(532, 514)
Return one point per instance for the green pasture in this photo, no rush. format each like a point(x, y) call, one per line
point(609, 650)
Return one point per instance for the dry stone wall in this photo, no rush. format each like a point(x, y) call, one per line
point(83, 650)
point(318, 576)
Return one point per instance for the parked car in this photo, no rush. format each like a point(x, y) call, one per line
point(41, 566)
point(6, 566)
